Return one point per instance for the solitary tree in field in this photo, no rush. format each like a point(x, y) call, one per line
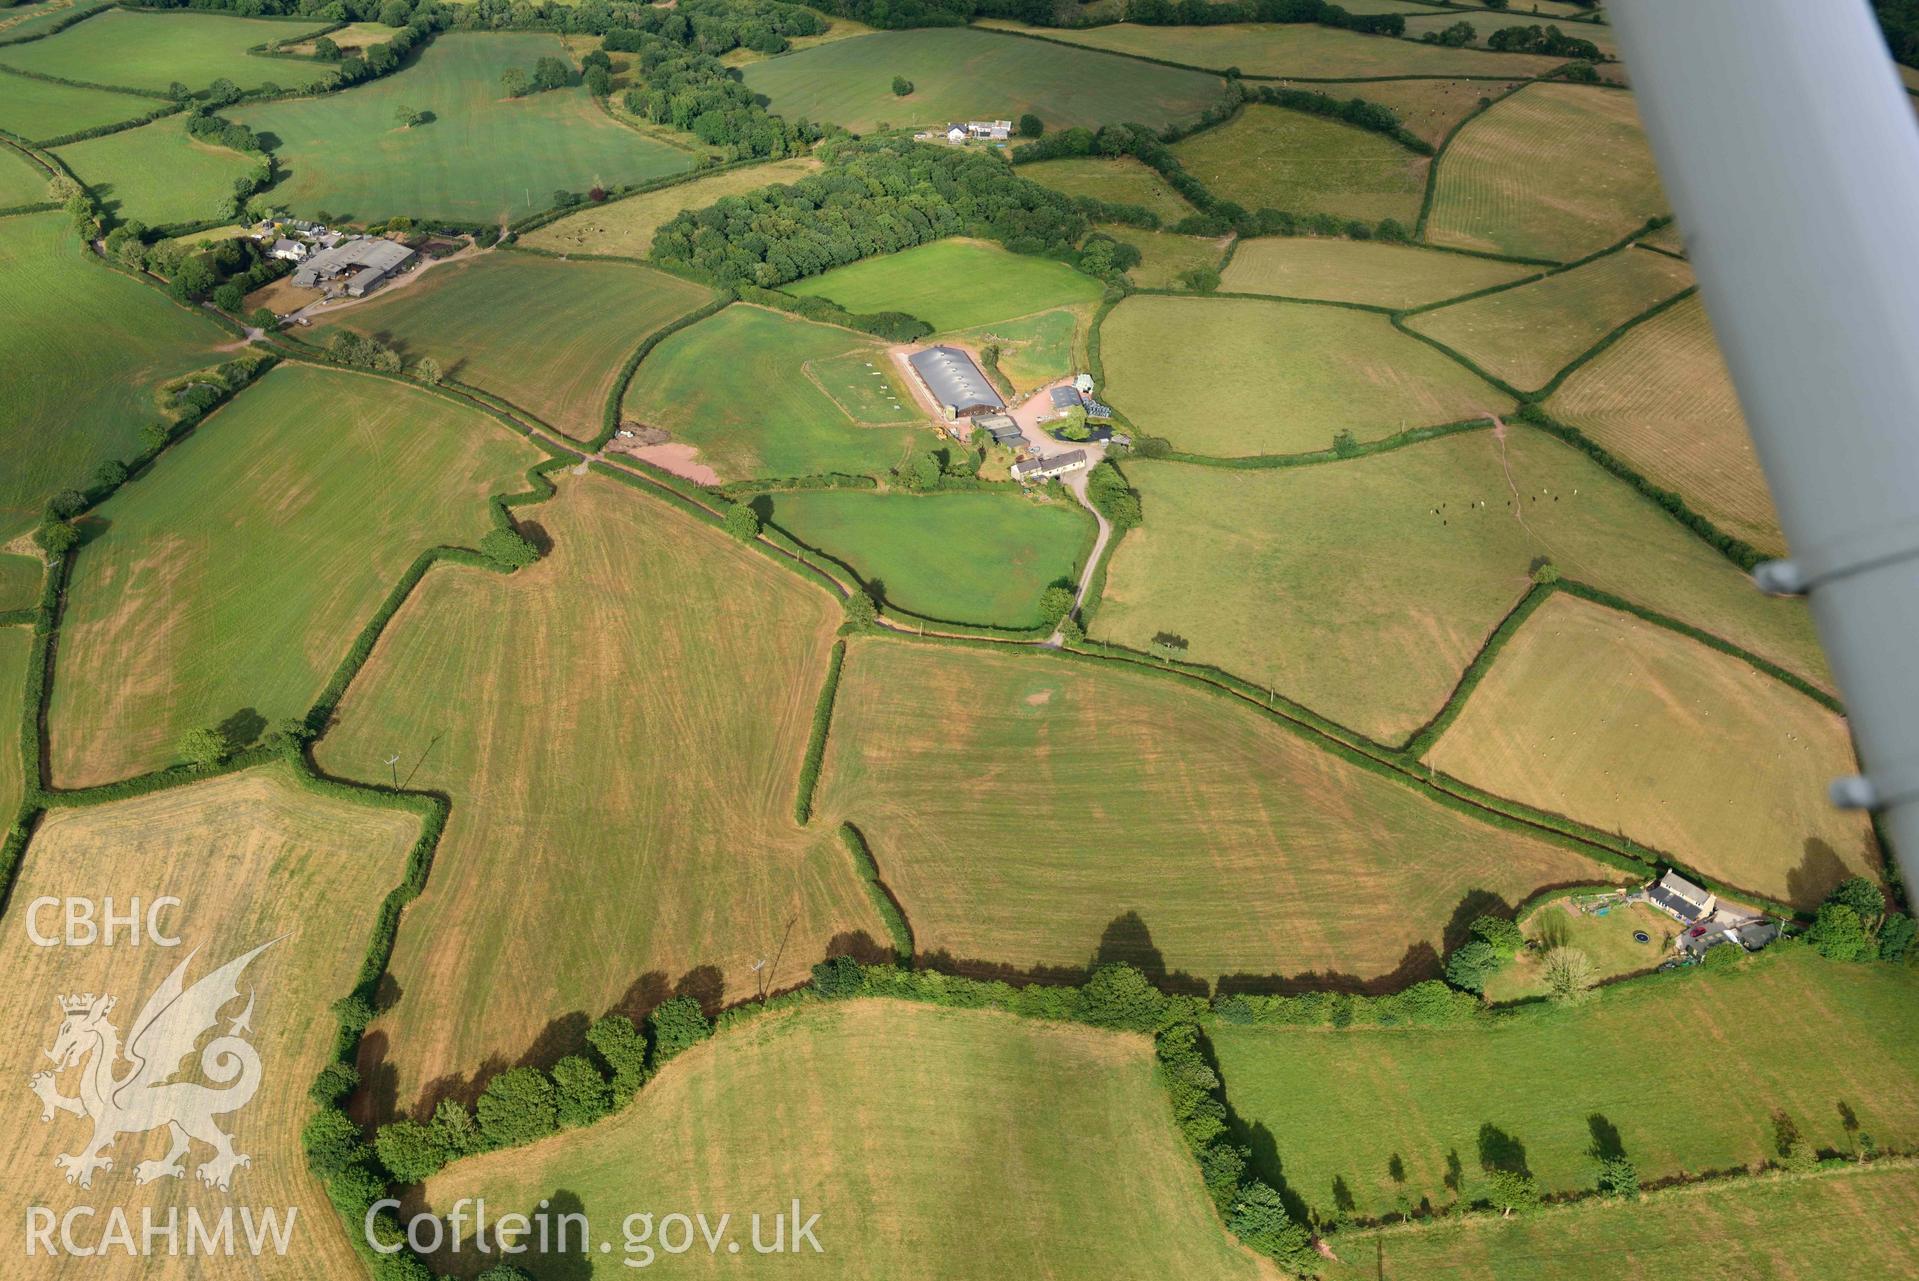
point(1169, 645)
point(513, 81)
point(901, 86)
point(406, 117)
point(427, 370)
point(1569, 974)
point(1030, 126)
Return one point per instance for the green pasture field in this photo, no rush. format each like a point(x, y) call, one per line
point(960, 557)
point(247, 858)
point(862, 383)
point(624, 228)
point(1661, 399)
point(877, 1113)
point(1607, 941)
point(1120, 180)
point(960, 73)
point(15, 643)
point(21, 183)
point(1341, 586)
point(765, 417)
point(37, 109)
point(1555, 171)
point(1528, 334)
point(158, 173)
point(339, 480)
point(1272, 158)
point(20, 578)
point(629, 711)
point(1035, 350)
point(1608, 719)
point(1264, 49)
point(1427, 109)
point(1032, 811)
point(1364, 271)
point(1165, 257)
point(1848, 1222)
point(81, 350)
point(153, 50)
point(483, 157)
point(1325, 1104)
point(1257, 377)
point(475, 316)
point(953, 284)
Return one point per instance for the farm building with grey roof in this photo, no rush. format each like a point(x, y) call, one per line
point(365, 262)
point(957, 385)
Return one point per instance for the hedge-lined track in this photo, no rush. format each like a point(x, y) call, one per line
point(240, 568)
point(153, 50)
point(1363, 587)
point(252, 856)
point(1616, 722)
point(1660, 398)
point(1553, 171)
point(1368, 272)
point(35, 108)
point(1032, 813)
point(1527, 334)
point(80, 349)
point(619, 728)
point(475, 318)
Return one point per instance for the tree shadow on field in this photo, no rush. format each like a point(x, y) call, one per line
point(534, 532)
point(243, 728)
point(1473, 905)
point(1125, 939)
point(1420, 962)
point(1499, 1150)
point(1817, 873)
point(762, 506)
point(1606, 1145)
point(560, 1241)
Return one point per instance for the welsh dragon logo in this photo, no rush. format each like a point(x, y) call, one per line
point(143, 1096)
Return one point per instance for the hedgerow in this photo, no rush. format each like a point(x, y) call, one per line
point(816, 740)
point(897, 926)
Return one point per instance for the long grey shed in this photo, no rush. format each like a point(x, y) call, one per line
point(957, 384)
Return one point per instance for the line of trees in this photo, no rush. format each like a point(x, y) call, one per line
point(1550, 41)
point(875, 197)
point(1201, 13)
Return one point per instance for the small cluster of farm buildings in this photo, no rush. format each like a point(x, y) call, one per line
point(964, 131)
point(334, 260)
point(1708, 922)
point(968, 399)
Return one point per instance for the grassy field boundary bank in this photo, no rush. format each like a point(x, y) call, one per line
point(18, 617)
point(1629, 241)
point(881, 894)
point(1359, 449)
point(1245, 75)
point(616, 394)
point(1422, 739)
point(55, 28)
point(1461, 359)
point(738, 489)
point(816, 738)
point(1340, 303)
point(1591, 353)
point(1439, 156)
point(1652, 1190)
point(1674, 505)
point(45, 206)
point(539, 489)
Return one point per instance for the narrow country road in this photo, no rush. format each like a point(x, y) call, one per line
point(1076, 482)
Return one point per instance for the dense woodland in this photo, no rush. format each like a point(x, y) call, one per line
point(876, 197)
